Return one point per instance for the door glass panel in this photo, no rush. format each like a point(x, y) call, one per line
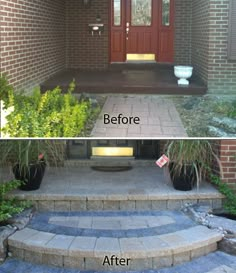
point(117, 12)
point(165, 12)
point(141, 12)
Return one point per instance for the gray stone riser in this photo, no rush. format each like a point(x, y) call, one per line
point(107, 204)
point(118, 161)
point(46, 248)
point(96, 263)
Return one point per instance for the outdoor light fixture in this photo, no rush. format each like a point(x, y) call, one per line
point(113, 151)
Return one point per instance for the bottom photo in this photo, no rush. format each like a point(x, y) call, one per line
point(164, 206)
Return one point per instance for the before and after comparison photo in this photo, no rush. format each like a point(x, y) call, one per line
point(118, 136)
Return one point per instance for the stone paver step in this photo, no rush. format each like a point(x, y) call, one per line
point(128, 241)
point(217, 262)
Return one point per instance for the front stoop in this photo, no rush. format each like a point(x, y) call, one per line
point(88, 253)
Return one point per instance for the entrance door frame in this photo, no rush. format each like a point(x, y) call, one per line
point(165, 36)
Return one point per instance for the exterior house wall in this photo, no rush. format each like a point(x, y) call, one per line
point(85, 51)
point(200, 38)
point(227, 156)
point(41, 38)
point(183, 31)
point(226, 153)
point(32, 46)
point(222, 72)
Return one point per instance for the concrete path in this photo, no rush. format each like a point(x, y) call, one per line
point(217, 262)
point(158, 117)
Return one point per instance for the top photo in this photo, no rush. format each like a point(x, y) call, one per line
point(118, 69)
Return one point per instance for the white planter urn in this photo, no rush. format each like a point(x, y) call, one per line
point(4, 114)
point(183, 73)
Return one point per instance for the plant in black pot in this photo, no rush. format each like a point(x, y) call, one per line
point(188, 161)
point(28, 158)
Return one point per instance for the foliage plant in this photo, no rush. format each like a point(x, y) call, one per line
point(10, 206)
point(227, 109)
point(5, 89)
point(224, 188)
point(194, 153)
point(47, 115)
point(26, 152)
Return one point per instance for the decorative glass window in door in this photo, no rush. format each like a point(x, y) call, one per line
point(117, 12)
point(166, 13)
point(141, 12)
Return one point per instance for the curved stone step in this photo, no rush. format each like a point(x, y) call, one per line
point(114, 250)
point(217, 262)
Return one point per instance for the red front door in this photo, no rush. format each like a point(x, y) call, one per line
point(142, 30)
point(141, 22)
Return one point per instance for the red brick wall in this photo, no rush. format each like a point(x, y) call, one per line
point(228, 160)
point(32, 46)
point(222, 72)
point(85, 51)
point(183, 31)
point(200, 38)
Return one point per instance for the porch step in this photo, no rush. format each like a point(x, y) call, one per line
point(90, 162)
point(132, 66)
point(114, 241)
point(79, 188)
point(126, 79)
point(217, 262)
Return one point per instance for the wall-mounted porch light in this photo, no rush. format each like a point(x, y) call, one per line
point(113, 151)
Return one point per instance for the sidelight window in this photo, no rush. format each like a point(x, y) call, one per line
point(117, 12)
point(166, 12)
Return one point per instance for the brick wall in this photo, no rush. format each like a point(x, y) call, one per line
point(32, 46)
point(200, 38)
point(227, 155)
point(222, 73)
point(183, 19)
point(84, 50)
point(226, 152)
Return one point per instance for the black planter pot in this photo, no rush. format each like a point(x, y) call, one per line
point(32, 176)
point(185, 179)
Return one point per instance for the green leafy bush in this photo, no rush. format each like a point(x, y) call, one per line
point(230, 202)
point(51, 114)
point(227, 109)
point(5, 89)
point(10, 206)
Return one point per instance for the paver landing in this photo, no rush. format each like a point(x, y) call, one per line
point(158, 117)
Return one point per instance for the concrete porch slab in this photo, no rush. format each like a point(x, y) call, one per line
point(126, 79)
point(141, 188)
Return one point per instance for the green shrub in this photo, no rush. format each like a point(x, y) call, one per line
point(10, 206)
point(230, 202)
point(227, 109)
point(51, 114)
point(5, 89)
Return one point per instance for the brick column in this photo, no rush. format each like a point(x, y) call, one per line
point(227, 156)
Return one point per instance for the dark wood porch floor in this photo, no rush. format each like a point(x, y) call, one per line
point(126, 78)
